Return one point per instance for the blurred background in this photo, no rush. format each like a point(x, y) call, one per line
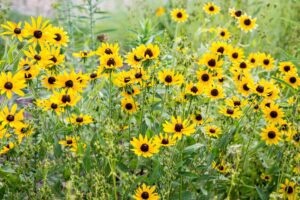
point(120, 20)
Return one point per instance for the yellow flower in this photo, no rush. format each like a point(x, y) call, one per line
point(160, 11)
point(15, 30)
point(123, 79)
point(80, 119)
point(169, 77)
point(221, 167)
point(287, 67)
point(50, 82)
point(253, 59)
point(129, 105)
point(38, 31)
point(292, 79)
point(205, 78)
point(265, 177)
point(58, 36)
point(236, 54)
point(273, 114)
point(134, 58)
point(11, 117)
point(40, 58)
point(230, 112)
point(179, 15)
point(194, 89)
point(70, 143)
point(66, 98)
point(271, 135)
point(139, 74)
point(262, 88)
point(148, 52)
point(142, 146)
point(246, 23)
point(130, 91)
point(111, 61)
point(235, 13)
point(245, 86)
point(56, 58)
point(179, 127)
point(211, 8)
point(69, 82)
point(146, 192)
point(289, 190)
point(28, 69)
point(6, 148)
point(212, 131)
point(266, 61)
point(214, 92)
point(223, 33)
point(164, 140)
point(108, 49)
point(53, 104)
point(236, 102)
point(83, 54)
point(23, 131)
point(10, 84)
point(220, 48)
point(211, 61)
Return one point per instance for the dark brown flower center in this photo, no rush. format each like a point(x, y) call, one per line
point(54, 106)
point(260, 89)
point(17, 30)
point(111, 61)
point(53, 59)
point(69, 83)
point(273, 114)
point(179, 15)
point(108, 51)
point(235, 55)
point(212, 130)
point(38, 34)
point(138, 75)
point(247, 22)
point(194, 89)
point(144, 147)
point(8, 85)
point(178, 127)
point(148, 52)
point(221, 167)
point(230, 111)
point(128, 106)
point(145, 195)
point(221, 50)
point(66, 98)
point(37, 57)
point(271, 134)
point(238, 13)
point(136, 58)
point(79, 119)
point(214, 92)
point(245, 87)
point(243, 65)
point(222, 33)
point(293, 79)
point(69, 141)
point(205, 77)
point(51, 80)
point(211, 8)
point(93, 75)
point(168, 79)
point(28, 75)
point(237, 103)
point(198, 117)
point(57, 37)
point(212, 62)
point(10, 118)
point(252, 60)
point(287, 68)
point(289, 189)
point(165, 141)
point(296, 137)
point(266, 61)
point(126, 79)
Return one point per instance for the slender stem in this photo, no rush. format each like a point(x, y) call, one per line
point(110, 95)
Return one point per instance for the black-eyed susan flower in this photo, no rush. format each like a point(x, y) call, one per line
point(123, 78)
point(134, 58)
point(221, 167)
point(223, 33)
point(160, 11)
point(214, 92)
point(7, 148)
point(236, 54)
point(111, 61)
point(245, 86)
point(139, 75)
point(289, 190)
point(271, 135)
point(292, 79)
point(287, 67)
point(204, 77)
point(55, 56)
point(164, 140)
point(66, 98)
point(266, 61)
point(219, 48)
point(149, 51)
point(50, 82)
point(130, 91)
point(23, 131)
point(80, 119)
point(211, 8)
point(28, 69)
point(53, 104)
point(83, 54)
point(179, 15)
point(108, 49)
point(69, 81)
point(230, 112)
point(235, 13)
point(266, 177)
point(4, 132)
point(129, 105)
point(211, 61)
point(142, 146)
point(293, 136)
point(194, 89)
point(179, 127)
point(12, 117)
point(58, 36)
point(236, 102)
point(15, 30)
point(70, 142)
point(146, 192)
point(241, 66)
point(37, 30)
point(261, 88)
point(42, 59)
point(94, 75)
point(197, 118)
point(212, 131)
point(253, 59)
point(273, 114)
point(169, 77)
point(246, 23)
point(10, 84)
